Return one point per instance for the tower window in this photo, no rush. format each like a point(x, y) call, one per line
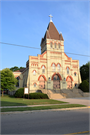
point(59, 45)
point(58, 67)
point(75, 74)
point(34, 72)
point(17, 85)
point(34, 84)
point(51, 44)
point(53, 67)
point(55, 45)
point(43, 69)
point(67, 70)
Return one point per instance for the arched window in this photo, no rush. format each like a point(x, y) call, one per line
point(51, 44)
point(75, 84)
point(75, 74)
point(34, 72)
point(43, 69)
point(67, 70)
point(34, 84)
point(55, 45)
point(59, 45)
point(17, 85)
point(53, 67)
point(58, 67)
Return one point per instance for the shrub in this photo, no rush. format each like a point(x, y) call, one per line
point(84, 86)
point(38, 96)
point(19, 93)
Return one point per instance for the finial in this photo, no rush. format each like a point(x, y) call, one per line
point(50, 18)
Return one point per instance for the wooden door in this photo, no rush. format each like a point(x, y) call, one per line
point(69, 83)
point(56, 82)
point(42, 83)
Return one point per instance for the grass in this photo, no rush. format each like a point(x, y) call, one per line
point(41, 107)
point(11, 101)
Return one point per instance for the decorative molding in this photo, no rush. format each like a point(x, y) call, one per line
point(43, 54)
point(43, 61)
point(74, 60)
point(56, 74)
point(34, 83)
point(42, 76)
point(67, 61)
point(34, 70)
point(53, 63)
point(70, 77)
point(43, 65)
point(55, 52)
point(68, 67)
point(59, 64)
point(75, 72)
point(34, 57)
point(67, 56)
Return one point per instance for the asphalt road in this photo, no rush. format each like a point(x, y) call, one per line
point(45, 122)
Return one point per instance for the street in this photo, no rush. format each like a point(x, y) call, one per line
point(45, 122)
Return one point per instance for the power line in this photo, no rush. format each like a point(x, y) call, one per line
point(19, 45)
point(40, 49)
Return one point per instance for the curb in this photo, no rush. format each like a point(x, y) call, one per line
point(63, 109)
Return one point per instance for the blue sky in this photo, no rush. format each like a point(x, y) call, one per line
point(25, 23)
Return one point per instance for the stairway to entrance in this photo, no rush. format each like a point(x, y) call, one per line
point(65, 93)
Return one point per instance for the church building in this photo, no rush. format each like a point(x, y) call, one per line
point(52, 69)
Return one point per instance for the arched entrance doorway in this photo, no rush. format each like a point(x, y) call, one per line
point(42, 83)
point(56, 82)
point(69, 82)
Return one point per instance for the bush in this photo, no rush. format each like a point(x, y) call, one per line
point(38, 96)
point(84, 86)
point(19, 93)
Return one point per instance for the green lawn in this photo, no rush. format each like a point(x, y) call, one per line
point(11, 101)
point(41, 107)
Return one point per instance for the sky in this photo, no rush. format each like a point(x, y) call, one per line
point(25, 23)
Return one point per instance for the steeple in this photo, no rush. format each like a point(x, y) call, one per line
point(52, 33)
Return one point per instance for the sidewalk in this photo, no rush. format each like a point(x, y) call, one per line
point(82, 101)
point(32, 105)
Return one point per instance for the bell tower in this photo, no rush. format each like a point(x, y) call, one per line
point(53, 40)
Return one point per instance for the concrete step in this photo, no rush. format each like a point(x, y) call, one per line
point(72, 93)
point(56, 96)
point(65, 93)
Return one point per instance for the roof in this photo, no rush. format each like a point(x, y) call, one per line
point(20, 70)
point(52, 33)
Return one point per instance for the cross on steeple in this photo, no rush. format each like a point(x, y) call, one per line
point(50, 18)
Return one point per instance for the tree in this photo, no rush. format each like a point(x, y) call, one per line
point(84, 86)
point(15, 68)
point(8, 81)
point(84, 71)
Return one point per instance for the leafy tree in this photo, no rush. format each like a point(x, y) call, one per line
point(8, 81)
point(84, 71)
point(21, 67)
point(84, 86)
point(15, 68)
